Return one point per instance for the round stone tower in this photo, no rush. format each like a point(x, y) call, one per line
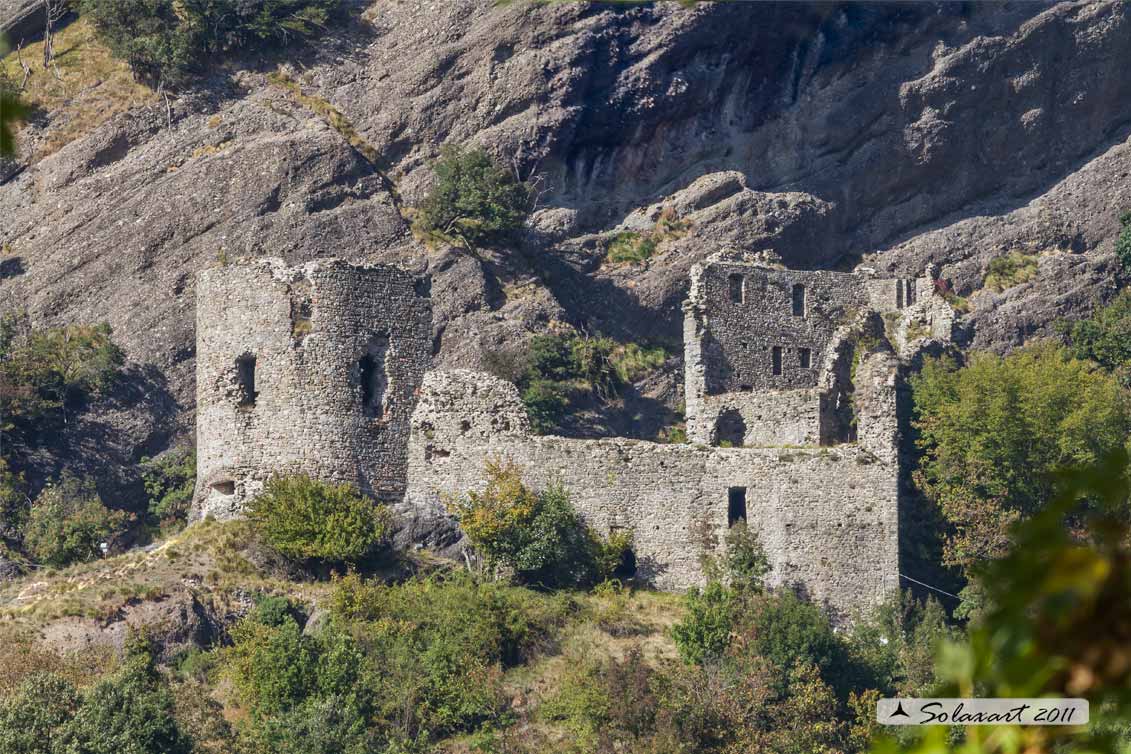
point(310, 369)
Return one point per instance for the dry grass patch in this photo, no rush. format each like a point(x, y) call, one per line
point(85, 88)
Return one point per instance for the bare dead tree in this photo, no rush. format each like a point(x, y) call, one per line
point(53, 12)
point(24, 66)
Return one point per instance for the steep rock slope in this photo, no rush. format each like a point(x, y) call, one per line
point(829, 133)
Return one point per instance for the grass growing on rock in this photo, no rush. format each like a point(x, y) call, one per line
point(91, 87)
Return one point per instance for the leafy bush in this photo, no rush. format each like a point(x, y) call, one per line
point(704, 633)
point(745, 560)
point(631, 246)
point(790, 632)
point(473, 199)
point(68, 523)
point(538, 536)
point(129, 712)
point(166, 40)
point(304, 519)
point(991, 432)
point(435, 647)
point(45, 373)
point(561, 368)
point(31, 718)
point(1123, 241)
point(637, 246)
point(546, 403)
point(1105, 337)
point(1012, 269)
point(169, 482)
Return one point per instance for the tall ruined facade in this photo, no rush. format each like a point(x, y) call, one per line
point(312, 369)
point(791, 381)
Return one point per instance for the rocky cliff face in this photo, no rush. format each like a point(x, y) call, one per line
point(893, 134)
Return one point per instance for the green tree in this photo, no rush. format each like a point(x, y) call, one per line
point(32, 716)
point(1056, 624)
point(131, 712)
point(705, 631)
point(1123, 241)
point(68, 523)
point(789, 632)
point(1105, 337)
point(170, 41)
point(46, 372)
point(169, 482)
point(992, 431)
point(304, 519)
point(473, 199)
point(538, 536)
point(11, 111)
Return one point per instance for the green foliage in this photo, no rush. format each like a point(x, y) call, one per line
point(992, 431)
point(546, 403)
point(790, 632)
point(68, 523)
point(14, 504)
point(1123, 241)
point(631, 246)
point(563, 368)
point(129, 712)
point(636, 246)
point(31, 718)
point(1058, 607)
point(537, 536)
point(169, 40)
point(704, 633)
point(45, 373)
point(473, 199)
point(435, 647)
point(304, 519)
point(169, 482)
point(1105, 337)
point(11, 111)
point(1014, 268)
point(745, 561)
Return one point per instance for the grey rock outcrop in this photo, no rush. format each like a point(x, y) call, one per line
point(825, 132)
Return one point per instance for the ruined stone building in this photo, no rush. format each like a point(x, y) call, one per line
point(790, 383)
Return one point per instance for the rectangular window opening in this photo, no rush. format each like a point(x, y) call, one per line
point(245, 379)
point(777, 360)
point(798, 300)
point(898, 294)
point(736, 505)
point(737, 288)
point(374, 376)
point(804, 358)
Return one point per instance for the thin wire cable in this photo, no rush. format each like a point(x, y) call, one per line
point(932, 588)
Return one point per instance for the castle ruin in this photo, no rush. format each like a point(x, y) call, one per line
point(790, 383)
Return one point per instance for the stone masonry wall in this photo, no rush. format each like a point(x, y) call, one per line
point(339, 353)
point(827, 517)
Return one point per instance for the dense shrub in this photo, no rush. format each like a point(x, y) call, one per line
point(1014, 268)
point(169, 41)
point(560, 370)
point(435, 648)
point(68, 523)
point(992, 431)
point(169, 480)
point(46, 373)
point(473, 199)
point(1105, 337)
point(705, 631)
point(1123, 241)
point(537, 536)
point(129, 712)
point(31, 718)
point(790, 632)
point(306, 520)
